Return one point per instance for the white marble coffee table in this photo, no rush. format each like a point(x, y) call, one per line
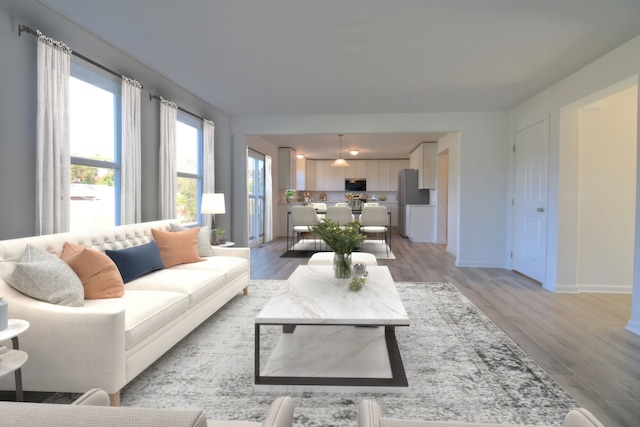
point(333, 336)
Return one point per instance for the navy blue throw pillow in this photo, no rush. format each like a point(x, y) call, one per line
point(136, 261)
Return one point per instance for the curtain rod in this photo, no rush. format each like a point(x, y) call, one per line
point(152, 97)
point(25, 29)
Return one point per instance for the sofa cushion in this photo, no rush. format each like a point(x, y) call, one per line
point(97, 272)
point(136, 261)
point(232, 267)
point(46, 277)
point(204, 239)
point(148, 311)
point(177, 247)
point(197, 284)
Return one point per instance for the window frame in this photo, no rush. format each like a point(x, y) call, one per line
point(189, 120)
point(110, 84)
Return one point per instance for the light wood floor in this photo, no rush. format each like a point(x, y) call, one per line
point(579, 339)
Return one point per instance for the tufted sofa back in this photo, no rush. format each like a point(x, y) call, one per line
point(123, 236)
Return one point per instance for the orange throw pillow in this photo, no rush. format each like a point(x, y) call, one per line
point(178, 247)
point(99, 275)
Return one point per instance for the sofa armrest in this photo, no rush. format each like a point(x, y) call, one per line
point(232, 251)
point(56, 333)
point(280, 413)
point(94, 397)
point(581, 418)
point(369, 413)
point(44, 414)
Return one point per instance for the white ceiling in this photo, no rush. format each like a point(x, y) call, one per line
point(310, 57)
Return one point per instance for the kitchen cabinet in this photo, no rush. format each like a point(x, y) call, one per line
point(381, 175)
point(356, 169)
point(320, 175)
point(373, 174)
point(361, 169)
point(424, 158)
point(338, 178)
point(310, 175)
point(384, 175)
point(329, 178)
point(286, 167)
point(419, 223)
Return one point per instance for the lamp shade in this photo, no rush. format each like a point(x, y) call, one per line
point(212, 203)
point(340, 162)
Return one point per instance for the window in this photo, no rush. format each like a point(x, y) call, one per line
point(95, 150)
point(189, 167)
point(256, 194)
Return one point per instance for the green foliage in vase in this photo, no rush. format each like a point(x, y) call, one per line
point(341, 239)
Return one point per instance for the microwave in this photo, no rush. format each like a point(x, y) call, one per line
point(357, 185)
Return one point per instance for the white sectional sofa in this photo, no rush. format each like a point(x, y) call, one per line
point(105, 343)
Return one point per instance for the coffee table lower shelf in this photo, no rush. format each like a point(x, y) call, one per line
point(316, 357)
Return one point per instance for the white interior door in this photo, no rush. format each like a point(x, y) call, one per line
point(530, 201)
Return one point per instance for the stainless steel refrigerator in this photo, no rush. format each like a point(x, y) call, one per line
point(409, 194)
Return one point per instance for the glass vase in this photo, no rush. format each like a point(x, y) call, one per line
point(342, 266)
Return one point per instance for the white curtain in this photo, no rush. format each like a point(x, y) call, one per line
point(268, 201)
point(208, 164)
point(53, 144)
point(168, 171)
point(130, 175)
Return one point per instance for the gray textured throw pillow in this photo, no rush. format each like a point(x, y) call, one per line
point(204, 239)
point(46, 277)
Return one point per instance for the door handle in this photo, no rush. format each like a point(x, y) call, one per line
point(540, 210)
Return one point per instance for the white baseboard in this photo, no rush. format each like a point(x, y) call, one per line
point(478, 264)
point(564, 289)
point(605, 289)
point(634, 326)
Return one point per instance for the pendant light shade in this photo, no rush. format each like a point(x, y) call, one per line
point(340, 162)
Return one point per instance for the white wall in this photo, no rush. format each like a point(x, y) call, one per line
point(607, 180)
point(482, 173)
point(620, 65)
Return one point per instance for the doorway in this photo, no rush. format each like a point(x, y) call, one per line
point(256, 197)
point(597, 191)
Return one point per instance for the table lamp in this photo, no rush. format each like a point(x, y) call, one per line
point(212, 203)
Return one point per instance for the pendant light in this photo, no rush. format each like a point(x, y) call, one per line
point(340, 162)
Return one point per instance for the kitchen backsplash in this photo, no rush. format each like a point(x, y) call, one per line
point(338, 196)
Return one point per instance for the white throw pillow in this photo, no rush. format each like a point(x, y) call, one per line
point(204, 239)
point(46, 277)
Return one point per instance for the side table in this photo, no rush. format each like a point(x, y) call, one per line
point(12, 360)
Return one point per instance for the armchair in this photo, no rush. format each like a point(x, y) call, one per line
point(370, 415)
point(375, 220)
point(341, 215)
point(302, 219)
point(92, 410)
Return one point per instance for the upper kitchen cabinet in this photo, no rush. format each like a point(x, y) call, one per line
point(286, 168)
point(424, 158)
point(356, 169)
point(373, 174)
point(301, 175)
point(310, 174)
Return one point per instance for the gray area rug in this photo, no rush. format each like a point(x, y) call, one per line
point(459, 365)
